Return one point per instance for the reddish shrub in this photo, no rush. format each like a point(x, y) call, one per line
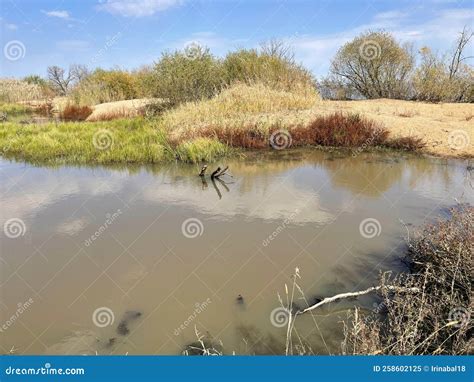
point(75, 113)
point(406, 143)
point(334, 130)
point(340, 130)
point(244, 138)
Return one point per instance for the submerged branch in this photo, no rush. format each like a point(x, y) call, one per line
point(356, 294)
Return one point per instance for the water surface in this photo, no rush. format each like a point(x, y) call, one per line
point(113, 239)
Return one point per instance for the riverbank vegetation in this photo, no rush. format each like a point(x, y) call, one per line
point(437, 320)
point(425, 310)
point(193, 106)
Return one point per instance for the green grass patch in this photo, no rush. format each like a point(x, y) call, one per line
point(201, 149)
point(72, 142)
point(14, 109)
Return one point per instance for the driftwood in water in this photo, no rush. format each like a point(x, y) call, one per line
point(356, 294)
point(203, 170)
point(223, 172)
point(218, 172)
point(216, 188)
point(215, 172)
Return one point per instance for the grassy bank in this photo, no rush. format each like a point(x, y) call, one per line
point(120, 141)
point(240, 117)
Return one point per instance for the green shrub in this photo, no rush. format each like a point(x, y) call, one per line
point(187, 76)
point(272, 67)
point(375, 65)
point(105, 86)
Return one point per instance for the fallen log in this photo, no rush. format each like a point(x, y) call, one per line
point(337, 297)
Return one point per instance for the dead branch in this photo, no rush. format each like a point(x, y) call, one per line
point(337, 297)
point(222, 172)
point(215, 172)
point(203, 170)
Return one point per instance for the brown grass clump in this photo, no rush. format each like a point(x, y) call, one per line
point(437, 320)
point(335, 130)
point(240, 107)
point(406, 143)
point(12, 90)
point(75, 113)
point(340, 130)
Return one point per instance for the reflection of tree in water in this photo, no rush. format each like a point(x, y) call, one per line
point(369, 174)
point(430, 170)
point(361, 175)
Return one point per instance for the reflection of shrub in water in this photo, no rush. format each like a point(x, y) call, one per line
point(437, 320)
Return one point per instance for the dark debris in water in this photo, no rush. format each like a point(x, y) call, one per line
point(128, 317)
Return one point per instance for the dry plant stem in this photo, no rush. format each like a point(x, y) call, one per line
point(355, 294)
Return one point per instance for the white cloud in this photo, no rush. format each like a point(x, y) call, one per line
point(137, 8)
point(59, 14)
point(11, 27)
point(439, 32)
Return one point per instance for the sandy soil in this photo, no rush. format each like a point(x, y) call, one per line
point(447, 128)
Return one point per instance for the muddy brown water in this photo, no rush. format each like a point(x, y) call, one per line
point(135, 259)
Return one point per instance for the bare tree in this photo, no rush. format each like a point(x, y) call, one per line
point(279, 49)
point(79, 72)
point(463, 39)
point(59, 80)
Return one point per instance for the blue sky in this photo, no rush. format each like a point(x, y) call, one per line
point(131, 33)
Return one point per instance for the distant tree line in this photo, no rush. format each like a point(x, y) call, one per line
point(372, 65)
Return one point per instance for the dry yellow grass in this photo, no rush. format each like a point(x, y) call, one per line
point(246, 106)
point(447, 129)
point(12, 90)
point(119, 109)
